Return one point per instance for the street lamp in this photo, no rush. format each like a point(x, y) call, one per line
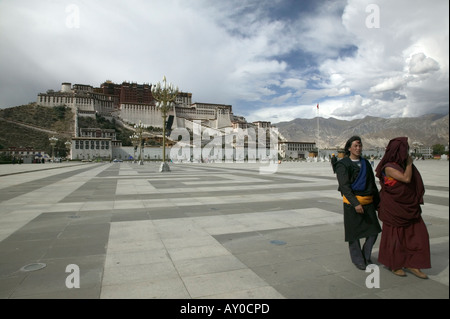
point(68, 147)
point(53, 141)
point(135, 140)
point(165, 97)
point(139, 130)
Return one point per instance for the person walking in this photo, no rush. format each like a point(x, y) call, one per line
point(360, 196)
point(404, 238)
point(333, 162)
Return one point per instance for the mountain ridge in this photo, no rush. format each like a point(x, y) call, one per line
point(428, 130)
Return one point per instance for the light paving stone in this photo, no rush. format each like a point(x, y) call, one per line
point(177, 228)
point(101, 205)
point(134, 186)
point(230, 228)
point(197, 252)
point(131, 244)
point(266, 292)
point(435, 210)
point(153, 271)
point(128, 204)
point(136, 257)
point(167, 288)
point(189, 241)
point(206, 265)
point(222, 282)
point(156, 203)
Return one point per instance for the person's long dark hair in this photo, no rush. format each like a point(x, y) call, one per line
point(349, 143)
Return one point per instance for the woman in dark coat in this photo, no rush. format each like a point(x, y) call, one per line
point(404, 239)
point(360, 195)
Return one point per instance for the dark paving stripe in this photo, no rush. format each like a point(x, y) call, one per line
point(41, 168)
point(436, 188)
point(57, 240)
point(100, 188)
point(24, 188)
point(93, 190)
point(429, 199)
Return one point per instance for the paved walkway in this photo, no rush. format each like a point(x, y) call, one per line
point(216, 231)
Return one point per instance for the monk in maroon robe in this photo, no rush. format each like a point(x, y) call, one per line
point(404, 238)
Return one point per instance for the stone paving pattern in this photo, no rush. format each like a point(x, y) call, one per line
point(216, 231)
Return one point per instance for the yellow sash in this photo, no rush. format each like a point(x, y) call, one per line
point(363, 200)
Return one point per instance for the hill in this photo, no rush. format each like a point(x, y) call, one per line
point(32, 125)
point(375, 132)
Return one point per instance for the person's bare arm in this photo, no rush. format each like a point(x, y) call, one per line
point(404, 177)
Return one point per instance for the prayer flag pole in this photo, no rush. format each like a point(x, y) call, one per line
point(318, 131)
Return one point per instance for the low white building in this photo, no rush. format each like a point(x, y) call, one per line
point(94, 143)
point(148, 153)
point(426, 152)
point(295, 150)
point(85, 148)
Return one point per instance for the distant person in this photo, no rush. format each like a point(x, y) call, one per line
point(372, 161)
point(360, 196)
point(404, 239)
point(333, 162)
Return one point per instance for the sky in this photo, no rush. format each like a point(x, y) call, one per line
point(272, 60)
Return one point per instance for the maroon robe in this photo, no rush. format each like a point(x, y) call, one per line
point(404, 238)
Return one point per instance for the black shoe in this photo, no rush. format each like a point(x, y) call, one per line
point(361, 266)
point(368, 262)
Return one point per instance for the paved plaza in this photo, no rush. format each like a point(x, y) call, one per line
point(215, 231)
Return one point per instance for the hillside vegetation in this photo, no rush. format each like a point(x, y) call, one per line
point(13, 135)
point(32, 125)
point(58, 118)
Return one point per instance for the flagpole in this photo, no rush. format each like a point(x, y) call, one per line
point(318, 131)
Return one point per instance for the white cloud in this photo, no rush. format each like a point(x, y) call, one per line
point(294, 83)
point(250, 54)
point(393, 58)
point(339, 92)
point(279, 100)
point(419, 64)
point(391, 84)
point(281, 114)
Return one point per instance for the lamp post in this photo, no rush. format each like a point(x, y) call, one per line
point(135, 140)
point(165, 96)
point(53, 141)
point(68, 147)
point(139, 129)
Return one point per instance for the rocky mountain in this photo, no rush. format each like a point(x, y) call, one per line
point(375, 132)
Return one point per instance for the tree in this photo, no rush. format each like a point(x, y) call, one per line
point(438, 149)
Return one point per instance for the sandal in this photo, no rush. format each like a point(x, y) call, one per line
point(416, 272)
point(399, 272)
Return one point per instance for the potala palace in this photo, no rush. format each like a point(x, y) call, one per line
point(132, 103)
